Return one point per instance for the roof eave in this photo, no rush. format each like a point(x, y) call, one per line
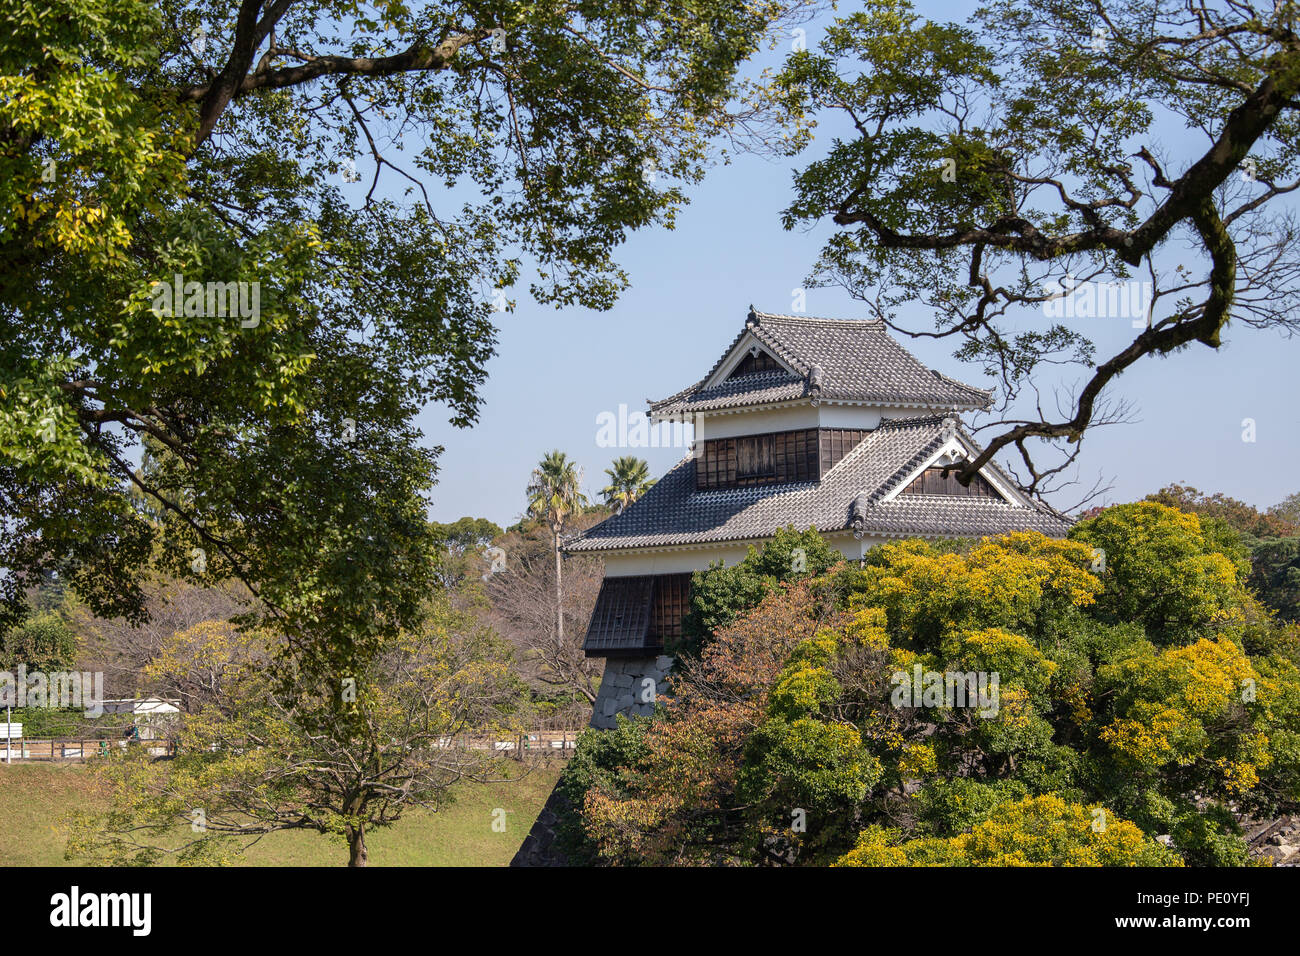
point(710, 545)
point(658, 415)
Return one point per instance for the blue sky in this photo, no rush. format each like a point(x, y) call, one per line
point(557, 370)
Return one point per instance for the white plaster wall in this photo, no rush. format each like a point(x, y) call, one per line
point(719, 425)
point(858, 416)
point(827, 415)
point(624, 564)
point(670, 562)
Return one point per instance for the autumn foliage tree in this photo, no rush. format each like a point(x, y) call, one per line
point(1275, 522)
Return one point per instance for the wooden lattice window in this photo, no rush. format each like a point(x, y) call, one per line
point(711, 469)
point(796, 455)
point(838, 442)
point(755, 458)
point(758, 361)
point(943, 481)
point(804, 454)
point(671, 602)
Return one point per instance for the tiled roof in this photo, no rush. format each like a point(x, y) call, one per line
point(758, 388)
point(845, 359)
point(620, 621)
point(849, 497)
point(942, 516)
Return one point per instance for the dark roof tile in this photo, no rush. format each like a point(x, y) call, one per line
point(849, 497)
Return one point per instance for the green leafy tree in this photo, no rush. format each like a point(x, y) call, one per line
point(721, 594)
point(601, 757)
point(44, 642)
point(1275, 575)
point(629, 479)
point(248, 763)
point(554, 495)
point(950, 189)
point(461, 544)
point(187, 260)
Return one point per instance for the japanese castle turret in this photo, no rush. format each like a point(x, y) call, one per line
point(822, 423)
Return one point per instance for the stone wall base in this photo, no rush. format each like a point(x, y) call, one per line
point(630, 686)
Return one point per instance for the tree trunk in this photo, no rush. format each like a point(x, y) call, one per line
point(357, 854)
point(559, 592)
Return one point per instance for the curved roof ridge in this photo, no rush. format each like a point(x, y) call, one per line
point(912, 421)
point(856, 323)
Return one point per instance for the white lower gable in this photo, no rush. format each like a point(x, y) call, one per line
point(954, 450)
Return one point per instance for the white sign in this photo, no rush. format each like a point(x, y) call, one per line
point(14, 731)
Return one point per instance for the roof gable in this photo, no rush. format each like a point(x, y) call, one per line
point(851, 360)
point(731, 365)
point(957, 446)
point(754, 361)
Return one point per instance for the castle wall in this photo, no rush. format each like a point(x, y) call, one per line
point(630, 687)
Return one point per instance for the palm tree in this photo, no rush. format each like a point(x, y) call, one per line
point(629, 479)
point(554, 495)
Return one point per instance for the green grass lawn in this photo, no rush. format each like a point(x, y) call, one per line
point(36, 797)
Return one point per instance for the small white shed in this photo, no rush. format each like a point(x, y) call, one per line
point(151, 715)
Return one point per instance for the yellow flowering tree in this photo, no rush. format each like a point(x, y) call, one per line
point(1034, 831)
point(985, 706)
point(1163, 571)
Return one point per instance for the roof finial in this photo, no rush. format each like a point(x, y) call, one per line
point(751, 320)
point(815, 384)
point(858, 514)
